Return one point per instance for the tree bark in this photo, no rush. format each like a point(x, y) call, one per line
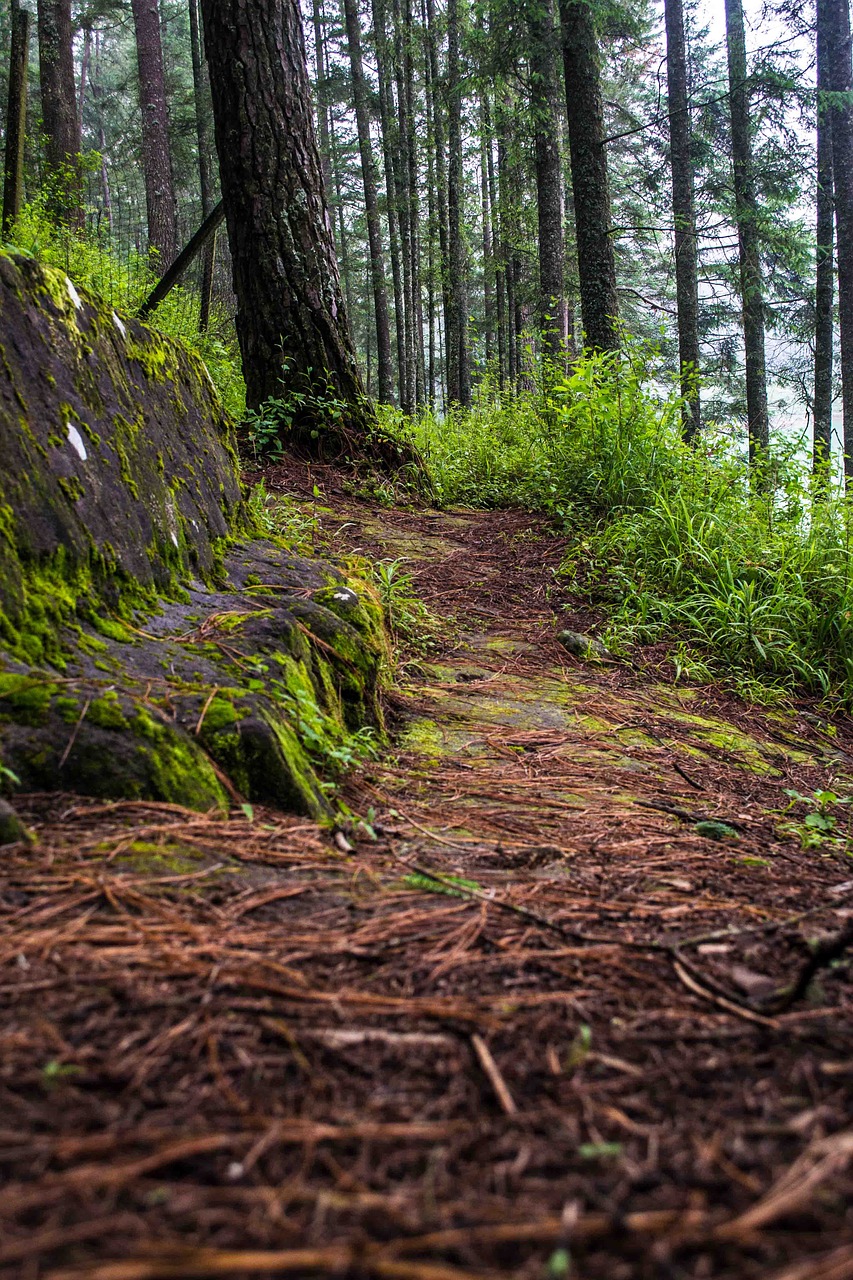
point(387, 124)
point(201, 96)
point(156, 156)
point(590, 183)
point(841, 87)
point(385, 375)
point(59, 108)
point(291, 318)
point(16, 118)
point(746, 213)
point(440, 188)
point(322, 94)
point(684, 217)
point(459, 373)
point(488, 247)
point(824, 272)
point(549, 179)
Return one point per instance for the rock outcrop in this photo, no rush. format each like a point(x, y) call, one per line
point(150, 645)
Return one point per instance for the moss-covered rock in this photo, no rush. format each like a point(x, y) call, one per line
point(119, 467)
point(149, 646)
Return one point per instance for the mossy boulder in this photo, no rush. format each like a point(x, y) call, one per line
point(150, 646)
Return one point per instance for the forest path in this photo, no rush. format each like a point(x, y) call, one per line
point(522, 1026)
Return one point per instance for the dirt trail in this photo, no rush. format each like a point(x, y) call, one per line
point(524, 1029)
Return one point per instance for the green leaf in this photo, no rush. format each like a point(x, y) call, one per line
point(716, 830)
point(599, 1150)
point(559, 1264)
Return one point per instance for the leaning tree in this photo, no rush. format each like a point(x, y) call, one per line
point(291, 319)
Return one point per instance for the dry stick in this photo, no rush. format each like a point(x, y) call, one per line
point(729, 1005)
point(496, 1080)
point(684, 815)
point(205, 709)
point(823, 955)
point(337, 1259)
point(76, 730)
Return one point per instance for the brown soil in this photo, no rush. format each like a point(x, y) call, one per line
point(255, 1048)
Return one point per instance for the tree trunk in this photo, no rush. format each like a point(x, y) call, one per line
point(291, 318)
point(322, 95)
point(59, 108)
point(488, 248)
point(156, 156)
point(97, 96)
point(746, 212)
point(684, 217)
point(590, 185)
point(440, 188)
point(838, 50)
point(389, 133)
point(404, 212)
point(201, 95)
point(16, 118)
point(549, 179)
point(371, 204)
point(459, 373)
point(824, 281)
point(414, 206)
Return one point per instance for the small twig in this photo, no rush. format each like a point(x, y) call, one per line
point(684, 815)
point(686, 776)
point(205, 709)
point(492, 1071)
point(823, 955)
point(738, 1010)
point(82, 716)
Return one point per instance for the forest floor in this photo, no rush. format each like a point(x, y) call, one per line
point(250, 1048)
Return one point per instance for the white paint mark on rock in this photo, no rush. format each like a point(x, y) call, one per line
point(76, 442)
point(118, 324)
point(348, 597)
point(74, 295)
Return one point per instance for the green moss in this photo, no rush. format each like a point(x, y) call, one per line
point(106, 712)
point(25, 699)
point(112, 629)
point(423, 736)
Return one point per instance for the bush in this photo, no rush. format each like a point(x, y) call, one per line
point(681, 544)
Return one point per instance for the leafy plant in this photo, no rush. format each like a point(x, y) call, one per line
point(748, 576)
point(820, 824)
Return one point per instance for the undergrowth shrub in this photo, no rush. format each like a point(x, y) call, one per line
point(746, 577)
point(124, 279)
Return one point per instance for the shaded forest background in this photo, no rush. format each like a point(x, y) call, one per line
point(460, 105)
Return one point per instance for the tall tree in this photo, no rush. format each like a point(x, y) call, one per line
point(291, 318)
point(684, 216)
point(371, 203)
point(544, 89)
point(156, 155)
point(16, 117)
point(59, 107)
point(459, 370)
point(590, 181)
point(824, 281)
point(841, 107)
point(746, 213)
point(388, 126)
point(201, 98)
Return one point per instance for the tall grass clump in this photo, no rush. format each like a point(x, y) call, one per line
point(124, 279)
point(749, 575)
